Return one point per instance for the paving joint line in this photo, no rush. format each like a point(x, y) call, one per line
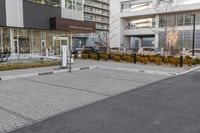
point(30, 120)
point(106, 77)
point(60, 86)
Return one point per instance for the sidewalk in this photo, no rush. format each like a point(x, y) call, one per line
point(103, 64)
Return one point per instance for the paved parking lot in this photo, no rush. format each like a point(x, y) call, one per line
point(29, 100)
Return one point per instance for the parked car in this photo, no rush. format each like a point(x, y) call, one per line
point(76, 50)
point(149, 51)
point(196, 52)
point(129, 51)
point(89, 49)
point(117, 50)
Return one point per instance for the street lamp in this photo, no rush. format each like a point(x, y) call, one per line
point(193, 40)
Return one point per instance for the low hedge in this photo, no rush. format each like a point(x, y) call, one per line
point(145, 59)
point(104, 56)
point(13, 66)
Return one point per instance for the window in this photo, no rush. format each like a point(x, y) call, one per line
point(180, 19)
point(161, 21)
point(188, 19)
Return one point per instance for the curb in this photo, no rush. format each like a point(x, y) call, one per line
point(191, 70)
point(44, 73)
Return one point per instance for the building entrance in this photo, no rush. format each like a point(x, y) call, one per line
point(57, 43)
point(16, 46)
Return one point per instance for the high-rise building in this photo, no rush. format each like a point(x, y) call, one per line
point(40, 26)
point(97, 11)
point(142, 23)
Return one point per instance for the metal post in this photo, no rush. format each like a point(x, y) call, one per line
point(70, 54)
point(193, 41)
point(98, 55)
point(135, 58)
point(181, 60)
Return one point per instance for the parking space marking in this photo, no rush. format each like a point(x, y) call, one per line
point(67, 87)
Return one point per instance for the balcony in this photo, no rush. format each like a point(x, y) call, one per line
point(134, 31)
point(97, 4)
point(99, 13)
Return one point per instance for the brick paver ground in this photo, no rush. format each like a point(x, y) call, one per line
point(29, 100)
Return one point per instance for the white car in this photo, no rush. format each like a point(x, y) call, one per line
point(196, 52)
point(148, 51)
point(117, 50)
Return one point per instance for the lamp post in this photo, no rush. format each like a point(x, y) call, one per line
point(193, 40)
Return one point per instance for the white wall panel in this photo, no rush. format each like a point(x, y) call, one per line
point(14, 13)
point(72, 14)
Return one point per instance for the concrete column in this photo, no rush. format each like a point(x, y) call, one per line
point(31, 42)
point(12, 47)
point(127, 41)
point(156, 42)
point(140, 42)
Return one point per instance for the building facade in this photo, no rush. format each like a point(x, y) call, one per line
point(38, 26)
point(141, 23)
point(97, 11)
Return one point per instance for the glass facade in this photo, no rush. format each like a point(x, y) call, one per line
point(141, 23)
point(135, 5)
point(27, 41)
point(55, 3)
point(70, 4)
point(182, 19)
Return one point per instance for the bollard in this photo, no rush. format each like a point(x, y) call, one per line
point(181, 61)
point(135, 58)
point(98, 55)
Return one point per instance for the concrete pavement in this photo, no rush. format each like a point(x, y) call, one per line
point(167, 106)
point(30, 100)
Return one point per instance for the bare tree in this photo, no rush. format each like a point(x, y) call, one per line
point(172, 38)
point(164, 7)
point(110, 37)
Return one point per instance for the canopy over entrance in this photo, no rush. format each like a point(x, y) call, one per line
point(72, 26)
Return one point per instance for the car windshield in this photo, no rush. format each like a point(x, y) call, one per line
point(148, 49)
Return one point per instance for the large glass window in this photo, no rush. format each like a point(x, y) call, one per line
point(6, 39)
point(55, 3)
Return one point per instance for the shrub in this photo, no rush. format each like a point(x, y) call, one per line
point(13, 66)
point(92, 56)
point(166, 60)
point(127, 58)
point(188, 61)
point(158, 61)
point(195, 61)
point(172, 61)
point(176, 61)
point(85, 55)
point(152, 59)
point(145, 60)
point(116, 58)
point(104, 56)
